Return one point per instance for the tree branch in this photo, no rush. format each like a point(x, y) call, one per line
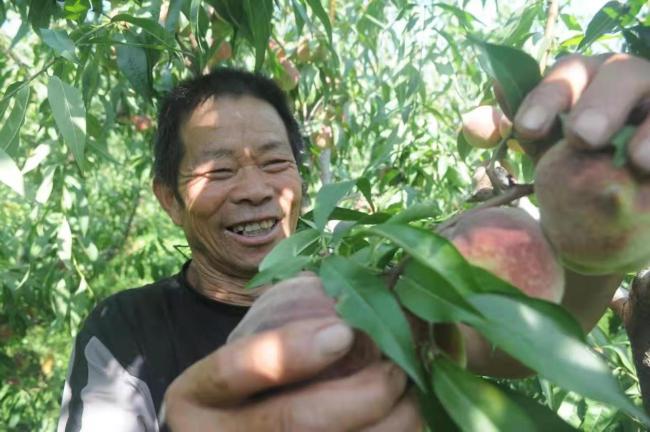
point(552, 12)
point(511, 194)
point(635, 313)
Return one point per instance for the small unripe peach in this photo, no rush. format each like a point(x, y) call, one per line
point(481, 126)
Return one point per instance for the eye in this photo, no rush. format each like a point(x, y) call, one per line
point(220, 173)
point(276, 165)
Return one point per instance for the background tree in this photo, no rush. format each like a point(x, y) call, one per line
point(379, 87)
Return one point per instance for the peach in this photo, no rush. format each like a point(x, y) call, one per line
point(510, 244)
point(596, 214)
point(481, 126)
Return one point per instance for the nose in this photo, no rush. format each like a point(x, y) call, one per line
point(251, 187)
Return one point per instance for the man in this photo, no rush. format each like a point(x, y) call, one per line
point(226, 172)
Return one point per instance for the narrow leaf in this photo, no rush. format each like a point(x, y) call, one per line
point(10, 174)
point(365, 303)
point(152, 28)
point(524, 332)
point(259, 14)
point(290, 247)
point(326, 200)
point(418, 211)
point(173, 13)
point(514, 72)
point(60, 42)
point(474, 403)
point(14, 122)
point(364, 187)
point(132, 61)
point(432, 251)
point(430, 297)
point(289, 268)
point(544, 418)
point(70, 116)
point(603, 22)
point(317, 7)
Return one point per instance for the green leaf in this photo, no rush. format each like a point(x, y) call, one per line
point(289, 267)
point(10, 174)
point(290, 247)
point(417, 211)
point(132, 61)
point(620, 141)
point(70, 116)
point(515, 72)
point(365, 303)
point(462, 146)
point(363, 184)
point(173, 13)
point(603, 22)
point(150, 27)
point(544, 418)
point(540, 341)
point(14, 121)
point(638, 40)
point(434, 414)
point(317, 7)
point(524, 24)
point(433, 251)
point(430, 297)
point(474, 403)
point(45, 189)
point(326, 200)
point(195, 9)
point(59, 41)
point(259, 14)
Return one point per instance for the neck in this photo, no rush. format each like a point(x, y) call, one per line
point(219, 286)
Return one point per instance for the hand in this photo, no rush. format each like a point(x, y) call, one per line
point(244, 384)
point(600, 94)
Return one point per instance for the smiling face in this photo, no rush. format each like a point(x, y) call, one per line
point(239, 182)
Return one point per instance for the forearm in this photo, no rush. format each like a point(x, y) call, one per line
point(587, 297)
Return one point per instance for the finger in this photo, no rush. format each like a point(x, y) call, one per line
point(295, 299)
point(269, 359)
point(639, 148)
point(404, 417)
point(557, 93)
point(344, 404)
point(620, 84)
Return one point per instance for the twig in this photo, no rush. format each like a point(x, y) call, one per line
point(491, 171)
point(635, 315)
point(112, 252)
point(511, 194)
point(6, 51)
point(551, 17)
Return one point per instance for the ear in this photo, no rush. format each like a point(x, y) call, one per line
point(169, 202)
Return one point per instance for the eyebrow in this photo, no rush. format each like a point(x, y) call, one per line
point(225, 153)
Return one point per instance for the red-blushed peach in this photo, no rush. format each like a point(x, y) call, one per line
point(509, 243)
point(596, 214)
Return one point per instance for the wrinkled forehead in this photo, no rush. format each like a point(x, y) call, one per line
point(229, 123)
point(228, 110)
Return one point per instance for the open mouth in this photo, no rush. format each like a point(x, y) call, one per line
point(254, 229)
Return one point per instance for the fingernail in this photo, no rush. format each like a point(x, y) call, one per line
point(535, 118)
point(641, 155)
point(591, 126)
point(334, 339)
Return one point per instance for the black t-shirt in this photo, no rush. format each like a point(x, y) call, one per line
point(132, 346)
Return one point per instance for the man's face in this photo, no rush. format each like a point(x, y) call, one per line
point(239, 181)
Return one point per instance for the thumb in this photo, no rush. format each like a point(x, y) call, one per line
point(291, 353)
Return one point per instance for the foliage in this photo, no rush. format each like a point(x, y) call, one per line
point(382, 85)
